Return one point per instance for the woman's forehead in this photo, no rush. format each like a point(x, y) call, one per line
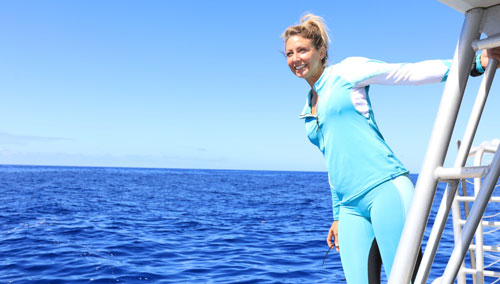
point(297, 40)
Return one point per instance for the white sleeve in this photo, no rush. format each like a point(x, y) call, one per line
point(364, 72)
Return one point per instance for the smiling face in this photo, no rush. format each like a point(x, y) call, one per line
point(304, 60)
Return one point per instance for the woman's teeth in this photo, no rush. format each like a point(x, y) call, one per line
point(300, 67)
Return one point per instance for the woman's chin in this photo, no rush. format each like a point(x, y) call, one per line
point(301, 73)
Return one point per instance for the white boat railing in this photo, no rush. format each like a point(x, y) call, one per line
point(478, 269)
point(481, 17)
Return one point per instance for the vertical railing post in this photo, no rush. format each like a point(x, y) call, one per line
point(479, 231)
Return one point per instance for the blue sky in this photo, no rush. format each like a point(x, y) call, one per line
point(202, 84)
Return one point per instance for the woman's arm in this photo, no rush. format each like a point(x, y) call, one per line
point(333, 232)
point(363, 72)
point(335, 204)
point(419, 73)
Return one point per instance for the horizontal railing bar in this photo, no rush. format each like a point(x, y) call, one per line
point(487, 273)
point(490, 42)
point(486, 248)
point(449, 174)
point(472, 198)
point(484, 223)
point(491, 149)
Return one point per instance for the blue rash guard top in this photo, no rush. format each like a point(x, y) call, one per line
point(344, 129)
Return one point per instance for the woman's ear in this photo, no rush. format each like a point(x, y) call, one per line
point(322, 52)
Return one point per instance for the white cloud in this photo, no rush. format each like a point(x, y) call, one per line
point(17, 139)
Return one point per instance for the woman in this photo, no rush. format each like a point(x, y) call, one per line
point(371, 189)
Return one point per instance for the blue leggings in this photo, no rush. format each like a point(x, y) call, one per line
point(370, 227)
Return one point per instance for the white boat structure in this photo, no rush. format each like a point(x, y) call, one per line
point(488, 225)
point(480, 30)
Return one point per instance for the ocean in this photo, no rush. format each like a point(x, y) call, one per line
point(129, 225)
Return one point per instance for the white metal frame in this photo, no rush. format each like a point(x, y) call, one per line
point(478, 20)
point(477, 269)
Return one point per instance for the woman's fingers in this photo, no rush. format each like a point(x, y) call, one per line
point(487, 54)
point(337, 242)
point(333, 234)
point(329, 238)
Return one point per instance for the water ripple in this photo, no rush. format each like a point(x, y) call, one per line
point(109, 225)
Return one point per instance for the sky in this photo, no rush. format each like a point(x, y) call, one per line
point(204, 84)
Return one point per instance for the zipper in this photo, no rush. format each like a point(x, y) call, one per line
point(314, 116)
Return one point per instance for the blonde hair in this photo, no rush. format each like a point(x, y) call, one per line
point(311, 27)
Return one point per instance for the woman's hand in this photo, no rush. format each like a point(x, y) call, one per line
point(333, 233)
point(487, 54)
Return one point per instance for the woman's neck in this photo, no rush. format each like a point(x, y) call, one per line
point(311, 80)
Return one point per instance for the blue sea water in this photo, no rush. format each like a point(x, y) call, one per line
point(122, 225)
